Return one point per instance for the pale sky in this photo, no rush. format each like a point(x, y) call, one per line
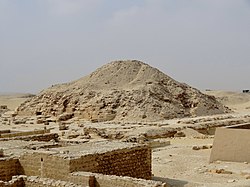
point(204, 43)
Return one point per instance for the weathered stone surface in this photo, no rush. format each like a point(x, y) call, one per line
point(63, 126)
point(123, 90)
point(180, 134)
point(65, 116)
point(36, 137)
point(221, 171)
point(196, 147)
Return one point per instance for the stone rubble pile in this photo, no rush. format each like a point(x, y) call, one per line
point(122, 91)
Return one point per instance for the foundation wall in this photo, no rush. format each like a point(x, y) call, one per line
point(34, 181)
point(8, 168)
point(100, 180)
point(114, 181)
point(231, 145)
point(132, 162)
point(81, 179)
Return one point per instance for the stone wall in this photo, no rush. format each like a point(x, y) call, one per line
point(34, 181)
point(81, 179)
point(25, 133)
point(37, 137)
point(4, 131)
point(8, 168)
point(45, 165)
point(132, 162)
point(100, 180)
point(114, 181)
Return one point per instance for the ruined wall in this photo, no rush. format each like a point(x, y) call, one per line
point(45, 165)
point(133, 162)
point(231, 145)
point(82, 178)
point(37, 137)
point(114, 181)
point(35, 181)
point(25, 133)
point(8, 168)
point(4, 131)
point(100, 180)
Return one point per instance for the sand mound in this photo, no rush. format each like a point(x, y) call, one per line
point(123, 90)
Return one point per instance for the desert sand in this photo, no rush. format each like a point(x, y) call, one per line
point(13, 100)
point(174, 159)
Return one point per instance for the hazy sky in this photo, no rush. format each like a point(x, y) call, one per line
point(204, 43)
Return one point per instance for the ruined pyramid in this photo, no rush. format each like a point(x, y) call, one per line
point(123, 91)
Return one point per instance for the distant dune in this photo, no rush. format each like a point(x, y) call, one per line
point(13, 100)
point(239, 102)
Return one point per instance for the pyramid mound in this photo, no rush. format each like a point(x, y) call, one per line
point(123, 90)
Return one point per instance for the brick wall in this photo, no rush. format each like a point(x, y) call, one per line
point(132, 162)
point(45, 165)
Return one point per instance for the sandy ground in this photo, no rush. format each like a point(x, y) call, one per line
point(180, 165)
point(13, 100)
point(177, 164)
point(238, 102)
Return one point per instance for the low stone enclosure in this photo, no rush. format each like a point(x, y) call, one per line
point(232, 143)
point(35, 135)
point(98, 164)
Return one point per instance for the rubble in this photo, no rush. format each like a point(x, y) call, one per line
point(122, 91)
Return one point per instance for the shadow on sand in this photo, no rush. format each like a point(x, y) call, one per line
point(171, 182)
